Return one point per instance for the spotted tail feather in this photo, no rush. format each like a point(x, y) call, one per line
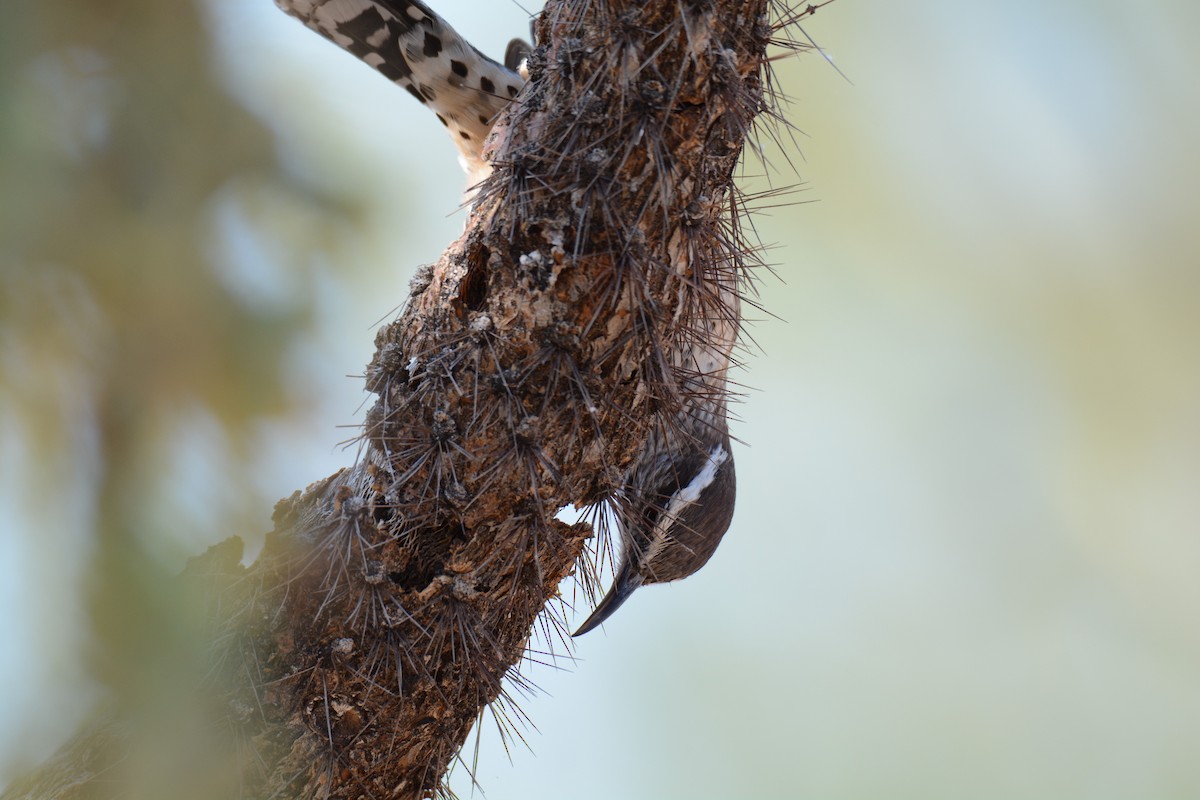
point(415, 48)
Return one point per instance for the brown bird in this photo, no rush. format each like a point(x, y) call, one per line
point(676, 505)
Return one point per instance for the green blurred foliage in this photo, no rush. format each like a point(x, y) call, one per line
point(132, 359)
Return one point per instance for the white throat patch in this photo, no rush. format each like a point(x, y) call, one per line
point(685, 497)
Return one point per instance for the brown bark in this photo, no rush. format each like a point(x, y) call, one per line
point(395, 598)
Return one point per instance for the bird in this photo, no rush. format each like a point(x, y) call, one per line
point(674, 507)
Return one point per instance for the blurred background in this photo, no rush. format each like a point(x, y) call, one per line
point(966, 554)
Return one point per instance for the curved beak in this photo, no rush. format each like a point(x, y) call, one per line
point(622, 587)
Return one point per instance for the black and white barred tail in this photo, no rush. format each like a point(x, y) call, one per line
point(411, 45)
